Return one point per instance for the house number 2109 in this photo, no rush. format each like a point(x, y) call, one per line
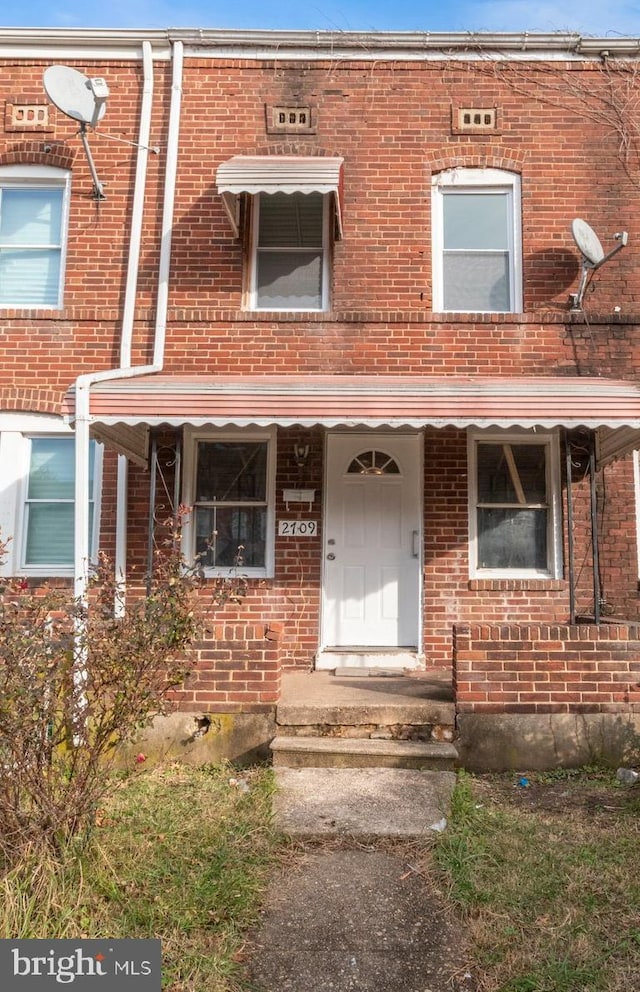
point(297, 528)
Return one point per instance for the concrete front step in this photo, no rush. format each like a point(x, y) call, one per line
point(362, 802)
point(337, 752)
point(324, 700)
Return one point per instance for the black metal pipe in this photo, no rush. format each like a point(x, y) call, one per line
point(153, 464)
point(570, 544)
point(594, 529)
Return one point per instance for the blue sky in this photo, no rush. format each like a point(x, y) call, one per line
point(590, 17)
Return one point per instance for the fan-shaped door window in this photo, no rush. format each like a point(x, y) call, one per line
point(373, 462)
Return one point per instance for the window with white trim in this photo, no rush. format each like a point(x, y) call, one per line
point(514, 505)
point(34, 206)
point(37, 501)
point(230, 486)
point(289, 269)
point(476, 223)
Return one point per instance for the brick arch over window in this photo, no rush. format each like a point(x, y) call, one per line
point(472, 157)
point(32, 399)
point(53, 153)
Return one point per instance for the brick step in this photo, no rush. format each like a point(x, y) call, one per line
point(338, 752)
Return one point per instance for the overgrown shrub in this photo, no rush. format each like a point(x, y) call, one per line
point(75, 683)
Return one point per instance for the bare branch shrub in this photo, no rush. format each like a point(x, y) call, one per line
point(75, 683)
point(608, 95)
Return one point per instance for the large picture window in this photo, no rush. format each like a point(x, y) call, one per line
point(514, 512)
point(232, 495)
point(476, 241)
point(289, 269)
point(33, 224)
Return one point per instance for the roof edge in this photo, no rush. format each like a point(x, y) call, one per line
point(280, 44)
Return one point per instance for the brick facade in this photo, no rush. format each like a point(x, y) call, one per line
point(391, 121)
point(547, 668)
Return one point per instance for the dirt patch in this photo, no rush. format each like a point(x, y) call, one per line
point(563, 795)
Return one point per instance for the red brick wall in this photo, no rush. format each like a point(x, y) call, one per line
point(546, 668)
point(392, 124)
point(237, 669)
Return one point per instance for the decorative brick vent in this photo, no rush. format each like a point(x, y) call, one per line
point(290, 120)
point(27, 116)
point(474, 120)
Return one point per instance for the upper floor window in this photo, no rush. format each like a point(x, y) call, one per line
point(476, 241)
point(514, 511)
point(289, 270)
point(293, 204)
point(34, 202)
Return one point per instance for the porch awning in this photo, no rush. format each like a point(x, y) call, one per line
point(279, 174)
point(122, 410)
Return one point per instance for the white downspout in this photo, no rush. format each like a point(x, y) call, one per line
point(84, 382)
point(128, 314)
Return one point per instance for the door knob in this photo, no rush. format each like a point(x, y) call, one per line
point(331, 556)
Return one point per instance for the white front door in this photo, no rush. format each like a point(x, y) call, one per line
point(372, 541)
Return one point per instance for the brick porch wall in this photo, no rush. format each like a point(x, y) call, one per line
point(237, 669)
point(542, 668)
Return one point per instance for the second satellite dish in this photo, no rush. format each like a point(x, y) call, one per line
point(76, 95)
point(593, 256)
point(587, 241)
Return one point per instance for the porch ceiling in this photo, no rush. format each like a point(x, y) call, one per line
point(368, 402)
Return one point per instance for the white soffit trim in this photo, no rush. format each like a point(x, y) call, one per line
point(279, 174)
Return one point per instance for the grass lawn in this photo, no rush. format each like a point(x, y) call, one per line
point(179, 853)
point(547, 877)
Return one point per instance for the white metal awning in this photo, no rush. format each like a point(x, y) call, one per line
point(279, 174)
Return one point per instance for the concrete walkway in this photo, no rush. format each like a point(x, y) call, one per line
point(357, 920)
point(354, 910)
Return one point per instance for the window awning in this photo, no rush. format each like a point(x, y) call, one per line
point(279, 174)
point(122, 410)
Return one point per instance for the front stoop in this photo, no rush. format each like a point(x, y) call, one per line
point(338, 721)
point(336, 752)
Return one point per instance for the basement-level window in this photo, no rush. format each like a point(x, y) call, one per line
point(476, 241)
point(231, 487)
point(514, 513)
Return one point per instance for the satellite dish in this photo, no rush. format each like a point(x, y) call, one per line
point(587, 241)
point(76, 95)
point(81, 98)
point(593, 255)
